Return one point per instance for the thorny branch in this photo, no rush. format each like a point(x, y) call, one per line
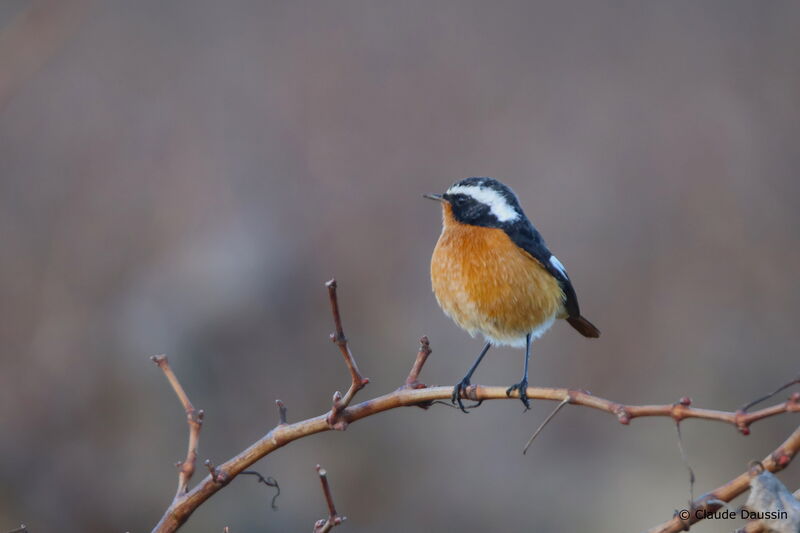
point(413, 393)
point(334, 519)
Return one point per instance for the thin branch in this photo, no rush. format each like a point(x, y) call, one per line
point(766, 397)
point(551, 416)
point(685, 459)
point(711, 501)
point(193, 417)
point(358, 382)
point(334, 519)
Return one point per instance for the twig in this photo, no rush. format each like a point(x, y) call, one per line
point(269, 481)
point(358, 382)
point(412, 381)
point(766, 397)
point(685, 459)
point(711, 501)
point(193, 417)
point(334, 519)
point(552, 415)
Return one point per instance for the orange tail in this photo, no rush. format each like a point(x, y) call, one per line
point(584, 327)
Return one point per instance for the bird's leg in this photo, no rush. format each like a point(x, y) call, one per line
point(462, 385)
point(522, 386)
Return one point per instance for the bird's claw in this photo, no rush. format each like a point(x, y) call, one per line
point(522, 388)
point(458, 389)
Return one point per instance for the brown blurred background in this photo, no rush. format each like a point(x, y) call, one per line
point(182, 177)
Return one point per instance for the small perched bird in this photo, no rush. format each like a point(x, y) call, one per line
point(493, 274)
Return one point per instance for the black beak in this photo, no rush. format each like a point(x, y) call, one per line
point(433, 196)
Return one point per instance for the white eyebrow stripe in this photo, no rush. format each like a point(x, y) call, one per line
point(556, 263)
point(496, 202)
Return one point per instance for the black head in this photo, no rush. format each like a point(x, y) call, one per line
point(483, 202)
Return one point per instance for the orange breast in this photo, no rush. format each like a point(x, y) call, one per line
point(488, 285)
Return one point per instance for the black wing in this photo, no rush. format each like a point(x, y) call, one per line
point(528, 238)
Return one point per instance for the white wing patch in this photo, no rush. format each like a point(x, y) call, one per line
point(556, 263)
point(498, 205)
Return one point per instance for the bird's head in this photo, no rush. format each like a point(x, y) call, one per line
point(481, 202)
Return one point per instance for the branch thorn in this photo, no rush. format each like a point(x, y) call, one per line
point(217, 475)
point(281, 412)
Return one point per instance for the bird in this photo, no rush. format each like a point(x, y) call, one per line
point(492, 273)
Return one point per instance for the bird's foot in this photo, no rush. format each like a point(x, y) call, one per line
point(458, 389)
point(522, 388)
